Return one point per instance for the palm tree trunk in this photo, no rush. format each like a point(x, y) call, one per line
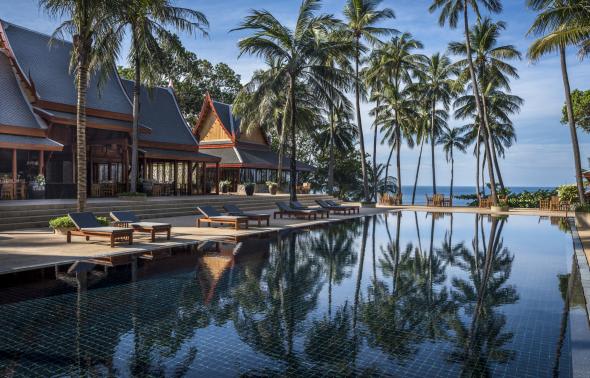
point(134, 138)
point(388, 162)
point(375, 157)
point(477, 153)
point(452, 176)
point(480, 112)
point(282, 139)
point(494, 155)
point(572, 125)
point(432, 142)
point(483, 169)
point(331, 158)
point(82, 85)
point(358, 120)
point(293, 162)
point(398, 155)
point(417, 170)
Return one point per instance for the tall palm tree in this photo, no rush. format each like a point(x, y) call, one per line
point(561, 23)
point(437, 84)
point(148, 21)
point(451, 11)
point(361, 17)
point(301, 52)
point(91, 25)
point(492, 69)
point(451, 139)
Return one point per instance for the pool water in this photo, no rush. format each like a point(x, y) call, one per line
point(400, 294)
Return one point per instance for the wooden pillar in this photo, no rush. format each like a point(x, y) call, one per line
point(126, 166)
point(216, 178)
point(145, 168)
point(176, 178)
point(189, 178)
point(41, 162)
point(14, 173)
point(204, 177)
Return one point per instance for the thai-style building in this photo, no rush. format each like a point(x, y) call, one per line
point(38, 127)
point(245, 155)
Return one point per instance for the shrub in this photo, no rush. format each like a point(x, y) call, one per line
point(271, 183)
point(66, 222)
point(568, 193)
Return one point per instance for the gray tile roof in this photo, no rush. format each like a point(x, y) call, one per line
point(231, 122)
point(15, 109)
point(159, 111)
point(97, 120)
point(31, 141)
point(178, 155)
point(266, 158)
point(227, 155)
point(48, 67)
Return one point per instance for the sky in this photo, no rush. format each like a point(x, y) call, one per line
point(542, 155)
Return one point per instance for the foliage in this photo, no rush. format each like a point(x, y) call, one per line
point(581, 107)
point(66, 222)
point(249, 185)
point(271, 184)
point(568, 193)
point(525, 199)
point(131, 194)
point(224, 183)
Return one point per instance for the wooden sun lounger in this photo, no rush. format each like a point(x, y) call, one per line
point(87, 225)
point(334, 209)
point(354, 209)
point(128, 219)
point(285, 209)
point(235, 210)
point(299, 206)
point(210, 215)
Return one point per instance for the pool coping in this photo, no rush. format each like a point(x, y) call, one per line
point(582, 261)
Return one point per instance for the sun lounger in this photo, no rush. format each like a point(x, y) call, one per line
point(351, 207)
point(285, 209)
point(128, 219)
point(334, 209)
point(235, 210)
point(210, 215)
point(299, 206)
point(87, 225)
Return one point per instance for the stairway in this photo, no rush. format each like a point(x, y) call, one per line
point(36, 214)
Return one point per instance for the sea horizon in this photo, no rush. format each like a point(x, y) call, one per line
point(423, 190)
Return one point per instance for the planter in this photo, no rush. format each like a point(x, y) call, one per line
point(249, 189)
point(272, 190)
point(368, 205)
point(63, 230)
point(224, 189)
point(499, 209)
point(37, 194)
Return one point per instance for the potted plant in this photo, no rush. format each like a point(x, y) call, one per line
point(501, 207)
point(132, 196)
point(38, 187)
point(224, 185)
point(61, 225)
point(272, 187)
point(249, 188)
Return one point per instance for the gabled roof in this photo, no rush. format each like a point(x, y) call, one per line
point(160, 112)
point(246, 155)
point(47, 67)
point(16, 113)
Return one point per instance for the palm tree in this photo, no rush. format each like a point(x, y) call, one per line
point(361, 17)
point(561, 23)
point(301, 52)
point(451, 13)
point(91, 25)
point(437, 86)
point(148, 21)
point(451, 139)
point(493, 71)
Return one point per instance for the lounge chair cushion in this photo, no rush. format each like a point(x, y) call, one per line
point(148, 224)
point(232, 209)
point(85, 220)
point(222, 217)
point(124, 216)
point(209, 211)
point(103, 229)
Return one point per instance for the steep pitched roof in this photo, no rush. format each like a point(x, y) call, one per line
point(15, 109)
point(159, 111)
point(227, 118)
point(48, 68)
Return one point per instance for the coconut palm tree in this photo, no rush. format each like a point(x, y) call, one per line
point(492, 68)
point(451, 139)
point(361, 18)
point(148, 21)
point(91, 25)
point(437, 87)
point(301, 52)
point(451, 12)
point(559, 24)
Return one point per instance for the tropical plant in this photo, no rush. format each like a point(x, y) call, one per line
point(148, 21)
point(361, 18)
point(451, 139)
point(451, 12)
point(300, 53)
point(91, 25)
point(568, 193)
point(580, 108)
point(559, 24)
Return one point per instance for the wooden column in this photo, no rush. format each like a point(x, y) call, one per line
point(41, 162)
point(14, 173)
point(176, 178)
point(204, 178)
point(216, 178)
point(189, 178)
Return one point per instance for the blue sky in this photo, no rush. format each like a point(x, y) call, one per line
point(542, 155)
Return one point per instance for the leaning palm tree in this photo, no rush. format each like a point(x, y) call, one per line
point(91, 25)
point(361, 16)
point(562, 23)
point(149, 21)
point(301, 52)
point(451, 12)
point(450, 140)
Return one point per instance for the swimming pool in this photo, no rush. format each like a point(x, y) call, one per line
point(404, 294)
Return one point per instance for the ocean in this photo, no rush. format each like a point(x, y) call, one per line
point(422, 191)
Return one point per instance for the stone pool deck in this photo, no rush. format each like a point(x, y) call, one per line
point(28, 249)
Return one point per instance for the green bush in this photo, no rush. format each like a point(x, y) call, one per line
point(526, 199)
point(568, 193)
point(66, 222)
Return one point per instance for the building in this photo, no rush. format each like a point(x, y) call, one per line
point(245, 156)
point(38, 127)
